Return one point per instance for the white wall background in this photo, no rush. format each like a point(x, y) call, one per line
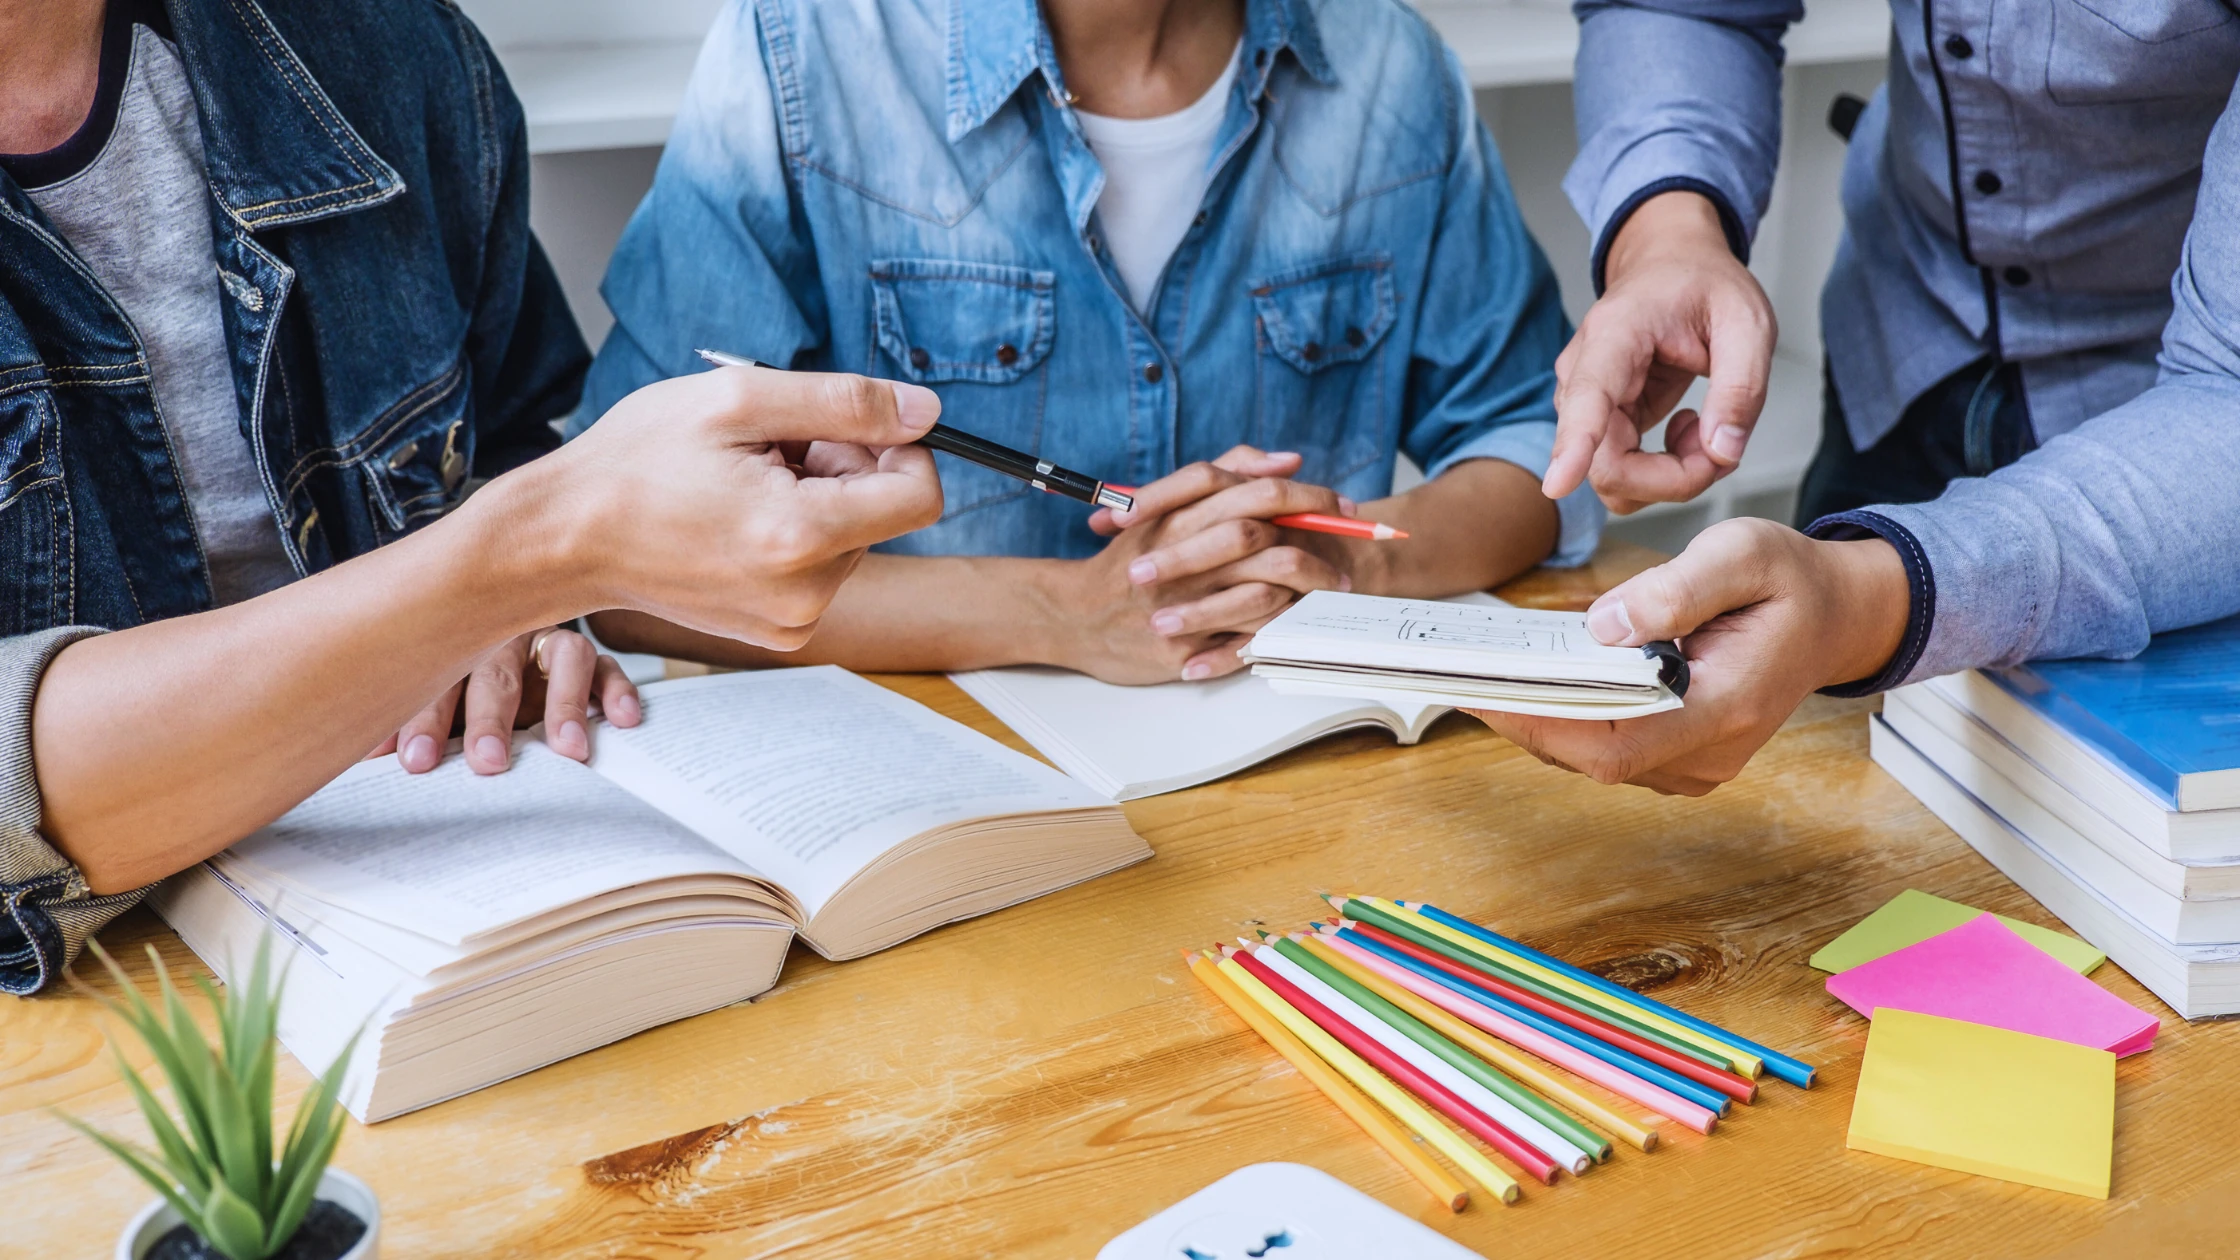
point(580, 199)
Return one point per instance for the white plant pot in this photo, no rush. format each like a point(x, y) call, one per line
point(159, 1218)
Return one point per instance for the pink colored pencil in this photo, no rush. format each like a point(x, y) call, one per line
point(1318, 522)
point(1616, 1080)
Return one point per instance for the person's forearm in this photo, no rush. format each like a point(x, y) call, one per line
point(1479, 524)
point(159, 745)
point(905, 614)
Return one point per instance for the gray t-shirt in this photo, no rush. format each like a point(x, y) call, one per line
point(139, 215)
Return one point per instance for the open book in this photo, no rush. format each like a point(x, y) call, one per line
point(1517, 660)
point(480, 927)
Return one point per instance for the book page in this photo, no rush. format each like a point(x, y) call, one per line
point(809, 775)
point(451, 854)
point(1328, 627)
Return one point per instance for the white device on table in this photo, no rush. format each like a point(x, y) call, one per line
point(1281, 1212)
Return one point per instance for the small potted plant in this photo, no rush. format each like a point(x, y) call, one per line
point(227, 1192)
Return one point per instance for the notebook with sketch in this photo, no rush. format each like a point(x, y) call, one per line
point(1132, 742)
point(485, 926)
point(1517, 660)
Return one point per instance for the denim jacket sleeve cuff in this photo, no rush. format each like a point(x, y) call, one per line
point(1921, 583)
point(46, 910)
point(1579, 514)
point(1738, 238)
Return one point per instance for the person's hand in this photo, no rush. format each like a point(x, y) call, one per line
point(550, 674)
point(1194, 568)
point(1676, 305)
point(1765, 616)
point(733, 502)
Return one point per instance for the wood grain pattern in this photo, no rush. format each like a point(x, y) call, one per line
point(1031, 1083)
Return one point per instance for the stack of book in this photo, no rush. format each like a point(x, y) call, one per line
point(2109, 790)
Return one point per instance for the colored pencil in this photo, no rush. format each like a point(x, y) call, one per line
point(1727, 1083)
point(1414, 1114)
point(1318, 522)
point(1316, 982)
point(1386, 1132)
point(1793, 1070)
point(1537, 1112)
point(1442, 1099)
point(1639, 1080)
point(1460, 1032)
point(1444, 943)
point(1742, 1060)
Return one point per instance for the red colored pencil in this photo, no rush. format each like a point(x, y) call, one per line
point(1726, 1083)
point(1318, 522)
point(1403, 1072)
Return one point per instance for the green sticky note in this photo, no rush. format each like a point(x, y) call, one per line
point(1916, 916)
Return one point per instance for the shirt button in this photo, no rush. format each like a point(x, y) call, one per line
point(1311, 352)
point(1152, 372)
point(1958, 47)
point(1007, 354)
point(1355, 337)
point(1988, 182)
point(2016, 276)
point(919, 359)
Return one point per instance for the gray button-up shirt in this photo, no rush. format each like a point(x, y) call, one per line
point(2021, 185)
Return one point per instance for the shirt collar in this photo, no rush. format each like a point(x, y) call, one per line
point(276, 149)
point(995, 45)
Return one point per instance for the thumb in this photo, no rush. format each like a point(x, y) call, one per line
point(760, 405)
point(1727, 567)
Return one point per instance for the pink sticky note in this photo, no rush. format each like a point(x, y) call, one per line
point(1983, 973)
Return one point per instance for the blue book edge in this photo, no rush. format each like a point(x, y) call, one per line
point(2079, 723)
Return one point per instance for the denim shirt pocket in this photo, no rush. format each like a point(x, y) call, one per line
point(2120, 52)
point(416, 460)
point(977, 334)
point(35, 541)
point(1321, 338)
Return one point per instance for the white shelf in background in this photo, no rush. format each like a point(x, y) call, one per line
point(599, 80)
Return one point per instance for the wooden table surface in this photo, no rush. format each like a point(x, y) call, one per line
point(1031, 1083)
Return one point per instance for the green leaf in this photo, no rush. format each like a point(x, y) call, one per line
point(231, 1225)
point(180, 1159)
point(140, 1162)
point(192, 1068)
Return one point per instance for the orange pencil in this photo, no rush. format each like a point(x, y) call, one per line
point(1318, 522)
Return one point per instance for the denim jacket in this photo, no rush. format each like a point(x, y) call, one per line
point(896, 187)
point(394, 327)
point(394, 330)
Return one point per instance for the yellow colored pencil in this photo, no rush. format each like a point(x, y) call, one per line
point(1373, 1083)
point(1744, 1062)
point(1492, 1050)
point(1442, 1184)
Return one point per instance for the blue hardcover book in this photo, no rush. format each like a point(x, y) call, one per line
point(2168, 719)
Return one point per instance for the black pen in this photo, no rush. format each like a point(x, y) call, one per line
point(1039, 473)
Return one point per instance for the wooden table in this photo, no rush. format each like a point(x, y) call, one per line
point(1031, 1083)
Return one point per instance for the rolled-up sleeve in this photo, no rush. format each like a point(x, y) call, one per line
point(1677, 94)
point(1481, 381)
point(2124, 527)
point(46, 911)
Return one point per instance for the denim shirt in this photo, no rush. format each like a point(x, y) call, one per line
point(393, 327)
point(897, 187)
point(2019, 187)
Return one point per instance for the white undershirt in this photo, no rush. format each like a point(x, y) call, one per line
point(1156, 172)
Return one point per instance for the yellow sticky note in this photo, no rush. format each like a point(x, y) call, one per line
point(1987, 1101)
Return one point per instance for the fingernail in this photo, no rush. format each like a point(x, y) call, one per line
point(1283, 455)
point(491, 749)
point(1142, 571)
point(1166, 623)
point(421, 754)
point(1345, 581)
point(1195, 671)
point(1728, 440)
point(1346, 506)
point(572, 736)
point(1608, 620)
point(624, 711)
point(915, 405)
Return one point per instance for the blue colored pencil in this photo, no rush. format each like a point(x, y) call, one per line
point(1626, 1060)
point(1794, 1071)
